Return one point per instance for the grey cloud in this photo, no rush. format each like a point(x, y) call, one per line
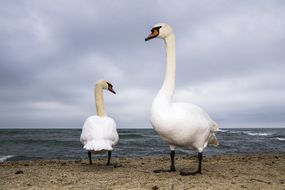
point(51, 54)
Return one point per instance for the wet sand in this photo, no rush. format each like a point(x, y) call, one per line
point(218, 172)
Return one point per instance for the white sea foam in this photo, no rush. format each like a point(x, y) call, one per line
point(4, 158)
point(223, 130)
point(258, 134)
point(251, 133)
point(280, 138)
point(235, 132)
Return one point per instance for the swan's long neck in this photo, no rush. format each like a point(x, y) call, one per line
point(99, 99)
point(168, 86)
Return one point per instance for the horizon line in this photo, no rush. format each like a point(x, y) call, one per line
point(137, 128)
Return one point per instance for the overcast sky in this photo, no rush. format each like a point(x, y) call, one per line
point(230, 60)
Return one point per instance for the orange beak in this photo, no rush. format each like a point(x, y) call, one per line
point(152, 35)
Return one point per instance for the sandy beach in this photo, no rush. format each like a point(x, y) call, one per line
point(218, 172)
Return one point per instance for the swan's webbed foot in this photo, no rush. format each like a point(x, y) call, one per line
point(172, 167)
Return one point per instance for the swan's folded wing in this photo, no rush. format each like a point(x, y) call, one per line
point(91, 130)
point(214, 126)
point(213, 141)
point(194, 113)
point(111, 131)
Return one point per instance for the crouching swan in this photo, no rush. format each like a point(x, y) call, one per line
point(180, 124)
point(99, 132)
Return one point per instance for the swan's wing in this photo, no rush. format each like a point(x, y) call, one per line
point(92, 129)
point(214, 126)
point(110, 133)
point(202, 126)
point(194, 114)
point(99, 133)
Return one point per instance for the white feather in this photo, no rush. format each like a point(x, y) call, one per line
point(99, 132)
point(179, 123)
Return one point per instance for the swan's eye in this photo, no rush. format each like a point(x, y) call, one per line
point(152, 30)
point(109, 85)
point(155, 29)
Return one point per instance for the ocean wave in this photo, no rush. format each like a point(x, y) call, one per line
point(4, 158)
point(251, 133)
point(185, 151)
point(135, 135)
point(257, 134)
point(232, 131)
point(37, 141)
point(280, 138)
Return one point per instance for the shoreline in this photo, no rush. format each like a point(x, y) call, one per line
point(259, 171)
point(11, 158)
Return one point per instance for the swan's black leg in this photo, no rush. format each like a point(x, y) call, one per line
point(200, 157)
point(89, 156)
point(185, 173)
point(109, 157)
point(172, 166)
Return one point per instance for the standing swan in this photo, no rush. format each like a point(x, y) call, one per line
point(178, 123)
point(99, 132)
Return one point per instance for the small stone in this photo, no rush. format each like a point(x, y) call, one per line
point(117, 165)
point(155, 188)
point(19, 172)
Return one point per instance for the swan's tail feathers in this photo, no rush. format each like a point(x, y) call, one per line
point(98, 145)
point(214, 126)
point(213, 141)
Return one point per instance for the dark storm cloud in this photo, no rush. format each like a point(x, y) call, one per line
point(229, 60)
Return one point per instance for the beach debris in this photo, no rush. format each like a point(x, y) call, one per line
point(155, 188)
point(116, 165)
point(259, 180)
point(19, 172)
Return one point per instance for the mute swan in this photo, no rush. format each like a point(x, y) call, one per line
point(99, 133)
point(180, 124)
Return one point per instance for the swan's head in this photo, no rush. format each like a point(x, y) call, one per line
point(161, 30)
point(105, 85)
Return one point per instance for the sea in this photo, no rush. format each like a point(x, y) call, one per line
point(63, 144)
